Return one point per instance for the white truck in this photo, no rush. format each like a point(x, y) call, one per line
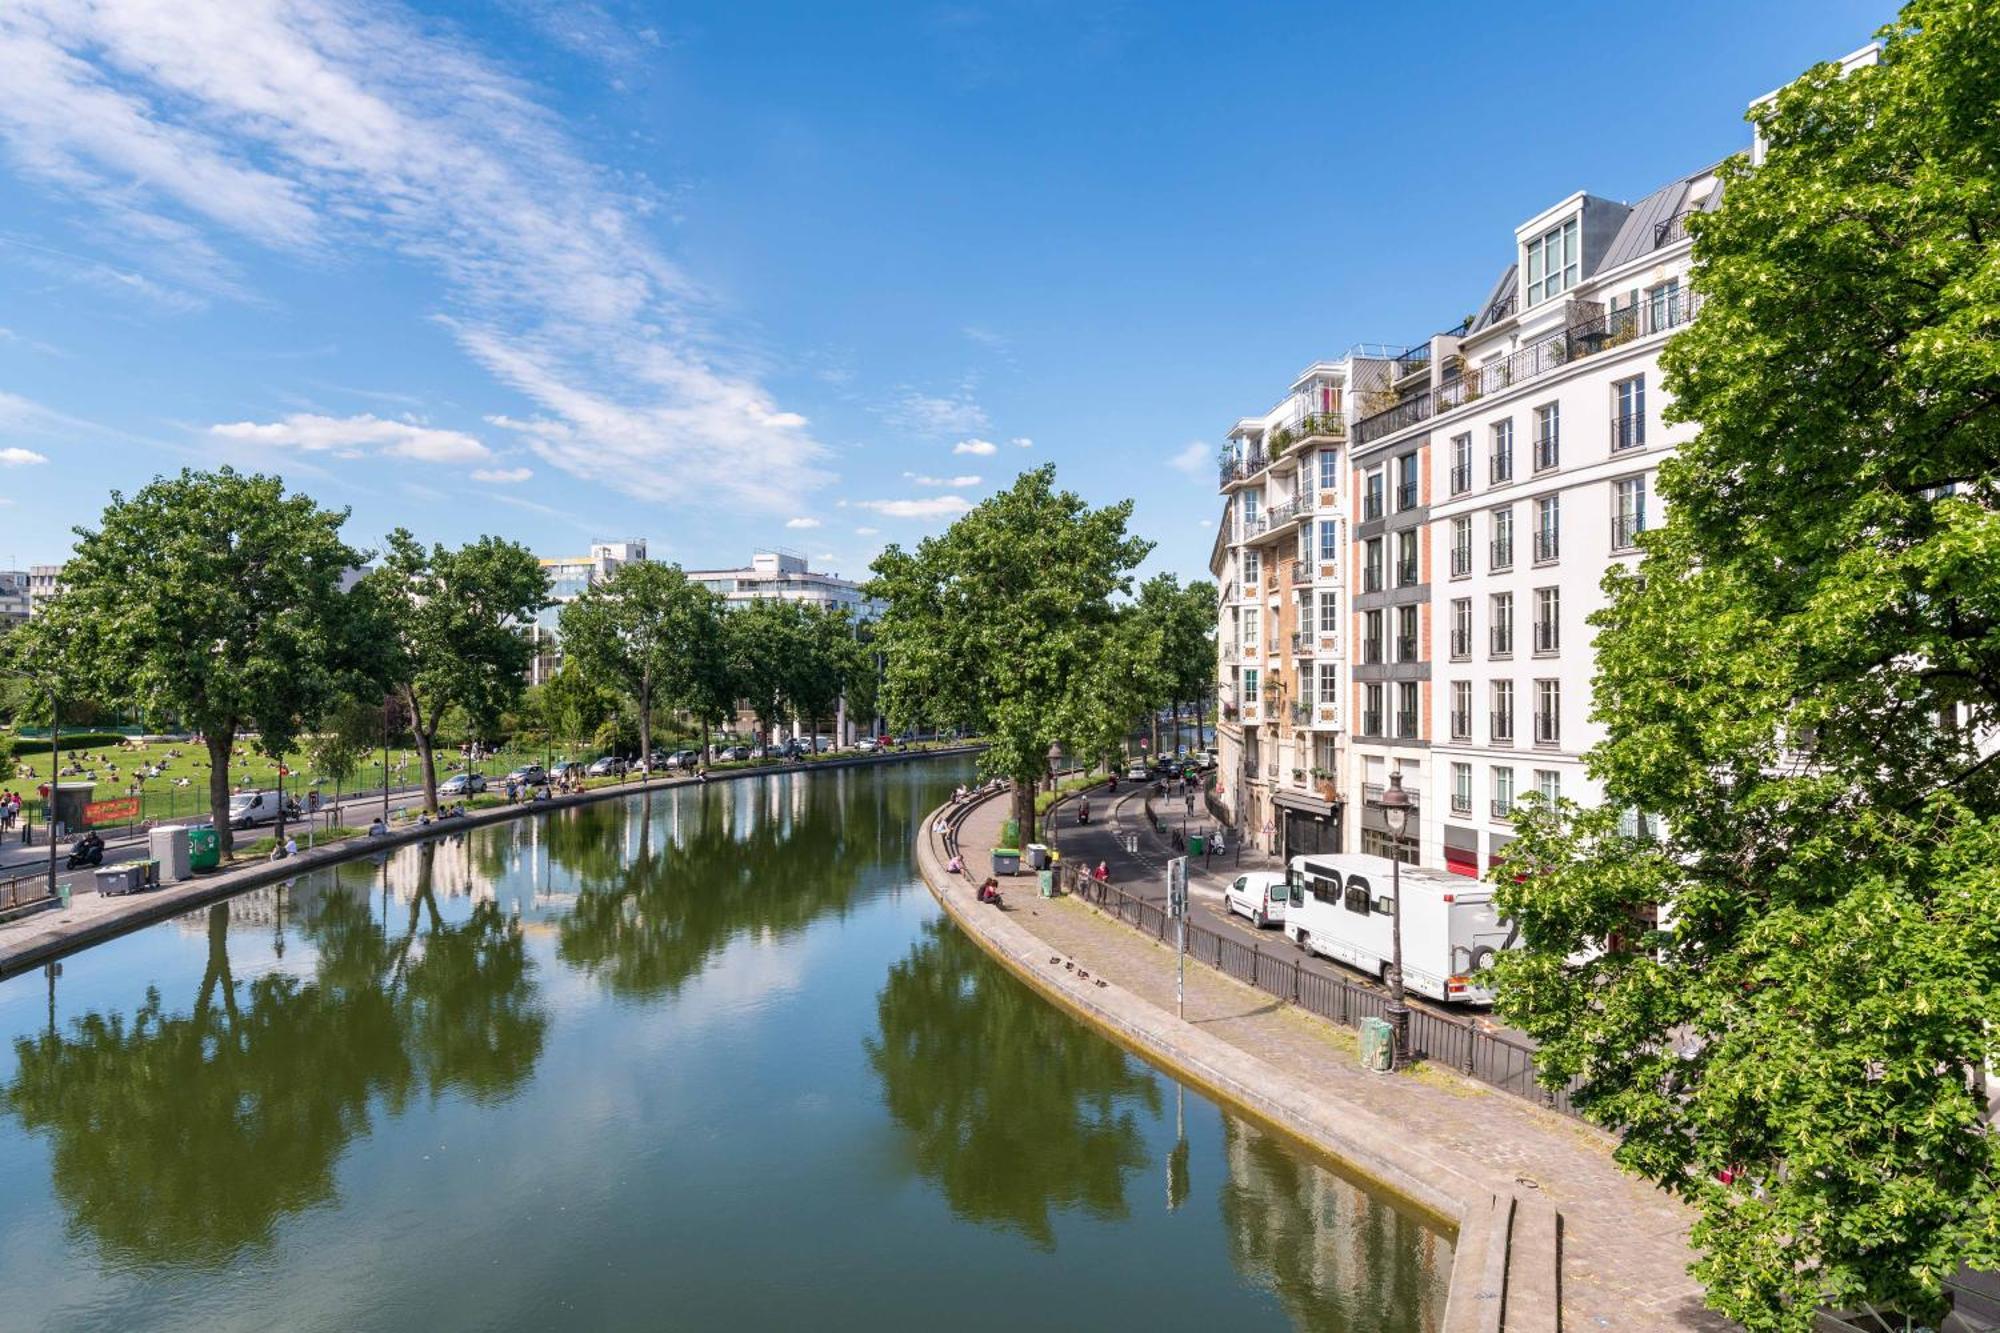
point(1342, 907)
point(247, 809)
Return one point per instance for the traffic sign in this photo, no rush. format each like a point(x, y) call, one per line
point(1177, 890)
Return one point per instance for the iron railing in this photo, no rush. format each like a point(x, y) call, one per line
point(1548, 452)
point(1406, 724)
point(1302, 571)
point(1500, 726)
point(1371, 506)
point(1406, 495)
point(1672, 229)
point(1406, 573)
point(1371, 579)
point(1461, 643)
point(1406, 647)
point(1461, 478)
point(1500, 466)
point(1502, 643)
point(1628, 431)
point(1461, 560)
point(1403, 415)
point(1502, 554)
point(1548, 636)
point(1371, 792)
point(1548, 728)
point(1371, 723)
point(1503, 807)
point(1371, 652)
point(1461, 726)
point(1316, 425)
point(1548, 544)
point(1625, 530)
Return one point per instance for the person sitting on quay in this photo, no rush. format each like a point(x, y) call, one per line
point(989, 892)
point(377, 829)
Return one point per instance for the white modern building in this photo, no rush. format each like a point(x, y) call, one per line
point(43, 583)
point(783, 575)
point(15, 599)
point(569, 576)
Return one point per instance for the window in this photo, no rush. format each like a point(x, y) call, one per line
point(1549, 783)
point(1406, 557)
point(1503, 624)
point(1500, 464)
point(1329, 689)
point(1502, 548)
point(1633, 823)
point(1548, 436)
point(1461, 710)
point(1329, 469)
point(1371, 637)
point(1252, 645)
point(1461, 789)
point(1329, 541)
point(1503, 792)
point(1377, 842)
point(1406, 708)
point(1628, 413)
point(1250, 570)
point(1628, 512)
point(1461, 628)
point(1371, 494)
point(1548, 528)
point(1664, 307)
point(1371, 708)
point(1304, 614)
point(1461, 547)
point(1461, 463)
point(1548, 620)
point(1249, 513)
point(1250, 685)
point(1329, 612)
point(1357, 899)
point(1304, 542)
point(1406, 482)
point(1406, 634)
point(1552, 262)
point(1305, 704)
point(1502, 721)
point(1372, 557)
point(1548, 712)
point(1326, 756)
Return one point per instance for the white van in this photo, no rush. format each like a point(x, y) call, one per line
point(247, 809)
point(1342, 908)
point(1260, 895)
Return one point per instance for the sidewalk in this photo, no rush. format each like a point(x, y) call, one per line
point(1624, 1245)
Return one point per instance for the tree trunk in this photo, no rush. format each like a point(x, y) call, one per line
point(426, 739)
point(219, 745)
point(1024, 807)
point(646, 725)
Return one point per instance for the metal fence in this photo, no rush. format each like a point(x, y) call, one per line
point(24, 890)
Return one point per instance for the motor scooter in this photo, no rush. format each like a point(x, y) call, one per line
point(88, 851)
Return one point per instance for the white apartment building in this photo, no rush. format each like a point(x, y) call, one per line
point(1279, 564)
point(15, 600)
point(568, 577)
point(43, 583)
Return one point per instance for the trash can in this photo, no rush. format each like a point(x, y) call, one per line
point(1046, 882)
point(149, 874)
point(1197, 843)
point(1006, 860)
point(169, 846)
point(204, 849)
point(115, 880)
point(1038, 856)
point(1378, 1045)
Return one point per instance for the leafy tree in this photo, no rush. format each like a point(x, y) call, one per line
point(215, 596)
point(766, 639)
point(452, 621)
point(1193, 649)
point(645, 629)
point(1001, 624)
point(832, 664)
point(1798, 677)
point(572, 706)
point(346, 736)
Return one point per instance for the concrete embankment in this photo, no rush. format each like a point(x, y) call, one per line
point(1547, 1227)
point(89, 919)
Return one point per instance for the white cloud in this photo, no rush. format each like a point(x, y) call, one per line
point(323, 127)
point(866, 532)
point(502, 476)
point(981, 448)
point(1022, 442)
point(826, 556)
point(931, 506)
point(959, 481)
point(18, 457)
point(801, 522)
point(927, 414)
point(353, 436)
point(1192, 458)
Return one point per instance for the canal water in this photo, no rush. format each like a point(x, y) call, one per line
point(705, 1059)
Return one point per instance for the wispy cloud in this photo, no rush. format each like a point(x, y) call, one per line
point(1022, 442)
point(1191, 459)
point(932, 506)
point(938, 417)
point(502, 476)
point(801, 523)
point(978, 448)
point(14, 456)
point(319, 128)
point(354, 436)
point(961, 481)
point(866, 532)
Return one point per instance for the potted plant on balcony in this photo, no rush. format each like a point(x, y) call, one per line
point(1323, 779)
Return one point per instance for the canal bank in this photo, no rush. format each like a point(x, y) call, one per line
point(1549, 1229)
point(29, 941)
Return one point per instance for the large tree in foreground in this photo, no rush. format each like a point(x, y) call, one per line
point(217, 597)
point(1000, 624)
point(452, 621)
point(1802, 678)
point(645, 631)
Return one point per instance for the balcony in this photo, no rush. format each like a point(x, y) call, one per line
point(1278, 515)
point(1502, 308)
point(1461, 478)
point(1301, 711)
point(1406, 647)
point(1371, 792)
point(1501, 643)
point(1406, 495)
point(1502, 554)
point(1406, 573)
point(1371, 506)
point(1301, 572)
point(1402, 416)
point(1461, 802)
point(1303, 645)
point(1628, 431)
point(1406, 724)
point(1548, 545)
point(1318, 426)
point(1548, 636)
point(1673, 228)
point(1228, 652)
point(1625, 530)
point(1461, 561)
point(1503, 807)
point(1590, 330)
point(1500, 726)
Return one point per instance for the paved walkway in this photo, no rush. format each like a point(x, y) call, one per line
point(1624, 1244)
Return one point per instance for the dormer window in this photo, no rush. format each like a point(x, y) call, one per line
point(1552, 262)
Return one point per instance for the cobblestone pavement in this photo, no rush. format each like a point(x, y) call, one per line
point(1625, 1250)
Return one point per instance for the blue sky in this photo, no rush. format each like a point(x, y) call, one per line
point(810, 275)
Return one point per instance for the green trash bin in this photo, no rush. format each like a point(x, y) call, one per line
point(1197, 843)
point(1378, 1045)
point(204, 849)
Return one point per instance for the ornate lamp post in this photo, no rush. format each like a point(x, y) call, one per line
point(1055, 767)
point(1395, 805)
point(55, 768)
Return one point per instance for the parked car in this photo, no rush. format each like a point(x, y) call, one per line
point(609, 766)
point(566, 770)
point(867, 745)
point(1260, 895)
point(462, 784)
point(529, 775)
point(683, 759)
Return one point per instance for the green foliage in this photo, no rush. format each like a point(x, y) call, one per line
point(1004, 625)
point(348, 733)
point(450, 625)
point(652, 634)
point(1797, 678)
point(69, 740)
point(214, 596)
point(571, 706)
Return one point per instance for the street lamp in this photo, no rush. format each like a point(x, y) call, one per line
point(1055, 767)
point(1395, 805)
point(55, 770)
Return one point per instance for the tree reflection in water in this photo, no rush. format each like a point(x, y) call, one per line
point(181, 1138)
point(1013, 1108)
point(1338, 1259)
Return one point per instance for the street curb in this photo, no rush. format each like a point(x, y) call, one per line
point(1483, 1212)
point(139, 910)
